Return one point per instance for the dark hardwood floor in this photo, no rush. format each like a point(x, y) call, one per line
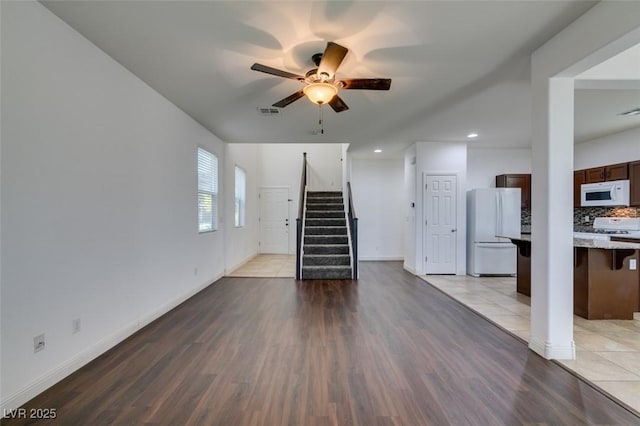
point(386, 350)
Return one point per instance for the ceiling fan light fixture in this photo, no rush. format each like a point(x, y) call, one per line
point(320, 93)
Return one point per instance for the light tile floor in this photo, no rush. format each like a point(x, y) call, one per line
point(607, 351)
point(268, 266)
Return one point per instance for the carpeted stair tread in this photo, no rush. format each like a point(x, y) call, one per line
point(326, 259)
point(324, 213)
point(326, 239)
point(313, 194)
point(325, 230)
point(326, 272)
point(324, 200)
point(326, 221)
point(326, 206)
point(326, 249)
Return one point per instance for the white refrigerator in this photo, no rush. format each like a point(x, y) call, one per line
point(492, 212)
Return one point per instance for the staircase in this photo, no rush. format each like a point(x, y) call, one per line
point(326, 254)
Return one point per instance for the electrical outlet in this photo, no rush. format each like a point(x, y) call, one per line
point(38, 343)
point(585, 219)
point(195, 271)
point(633, 264)
point(76, 326)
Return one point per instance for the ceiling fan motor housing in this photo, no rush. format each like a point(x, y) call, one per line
point(316, 58)
point(312, 76)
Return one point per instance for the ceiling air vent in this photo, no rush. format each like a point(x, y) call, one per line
point(269, 111)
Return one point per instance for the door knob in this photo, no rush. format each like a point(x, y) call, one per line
point(453, 230)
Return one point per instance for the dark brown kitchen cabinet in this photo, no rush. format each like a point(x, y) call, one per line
point(604, 285)
point(634, 182)
point(578, 180)
point(616, 171)
point(522, 181)
point(604, 173)
point(594, 175)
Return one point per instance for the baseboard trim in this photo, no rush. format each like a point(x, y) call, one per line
point(409, 269)
point(551, 351)
point(79, 360)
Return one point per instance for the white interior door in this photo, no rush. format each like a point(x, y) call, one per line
point(274, 220)
point(440, 231)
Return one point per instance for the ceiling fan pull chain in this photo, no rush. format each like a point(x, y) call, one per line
point(321, 121)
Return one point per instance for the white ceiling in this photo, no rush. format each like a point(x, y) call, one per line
point(596, 112)
point(457, 66)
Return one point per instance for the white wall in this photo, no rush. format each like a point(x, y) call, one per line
point(241, 243)
point(346, 165)
point(436, 158)
point(484, 164)
point(410, 208)
point(99, 205)
point(618, 148)
point(379, 203)
point(281, 165)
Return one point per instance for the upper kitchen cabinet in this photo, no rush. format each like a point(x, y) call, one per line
point(634, 181)
point(522, 181)
point(616, 171)
point(578, 180)
point(594, 175)
point(604, 173)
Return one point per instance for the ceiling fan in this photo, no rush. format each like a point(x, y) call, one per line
point(321, 85)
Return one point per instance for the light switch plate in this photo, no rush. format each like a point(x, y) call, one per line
point(633, 264)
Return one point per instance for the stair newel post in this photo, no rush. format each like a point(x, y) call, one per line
point(299, 220)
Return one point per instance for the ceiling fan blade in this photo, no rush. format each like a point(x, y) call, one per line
point(338, 104)
point(332, 58)
point(367, 83)
point(277, 72)
point(289, 99)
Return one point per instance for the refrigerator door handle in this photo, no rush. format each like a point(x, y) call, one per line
point(498, 214)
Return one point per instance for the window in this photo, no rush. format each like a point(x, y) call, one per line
point(241, 189)
point(207, 191)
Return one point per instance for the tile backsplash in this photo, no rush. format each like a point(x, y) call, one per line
point(580, 213)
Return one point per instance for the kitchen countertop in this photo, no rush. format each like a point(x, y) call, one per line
point(587, 243)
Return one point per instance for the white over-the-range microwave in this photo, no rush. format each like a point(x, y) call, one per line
point(612, 193)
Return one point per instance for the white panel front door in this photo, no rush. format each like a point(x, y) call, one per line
point(274, 220)
point(440, 202)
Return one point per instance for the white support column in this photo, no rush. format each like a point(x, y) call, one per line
point(552, 219)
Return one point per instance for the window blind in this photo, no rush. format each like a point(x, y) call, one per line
point(207, 191)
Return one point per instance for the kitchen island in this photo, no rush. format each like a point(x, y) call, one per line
point(606, 279)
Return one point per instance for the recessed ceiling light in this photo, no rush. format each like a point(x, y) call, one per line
point(635, 111)
point(472, 135)
point(377, 151)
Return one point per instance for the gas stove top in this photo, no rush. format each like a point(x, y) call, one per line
point(610, 231)
point(605, 227)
